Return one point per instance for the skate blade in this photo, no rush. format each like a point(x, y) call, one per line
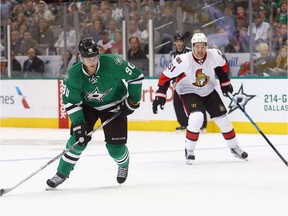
point(50, 189)
point(189, 162)
point(236, 156)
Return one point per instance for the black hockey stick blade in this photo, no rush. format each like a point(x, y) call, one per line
point(257, 128)
point(7, 190)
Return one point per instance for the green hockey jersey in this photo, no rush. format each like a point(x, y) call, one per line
point(114, 78)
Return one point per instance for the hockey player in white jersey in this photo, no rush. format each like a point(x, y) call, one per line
point(195, 75)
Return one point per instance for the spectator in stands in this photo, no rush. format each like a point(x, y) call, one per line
point(22, 28)
point(6, 8)
point(274, 32)
point(62, 70)
point(135, 16)
point(260, 30)
point(44, 36)
point(104, 5)
point(95, 16)
point(14, 25)
point(33, 66)
point(73, 10)
point(133, 5)
point(264, 61)
point(150, 6)
point(264, 13)
point(105, 42)
point(112, 28)
point(228, 22)
point(137, 56)
point(42, 11)
point(133, 30)
point(280, 39)
point(282, 15)
point(21, 19)
point(259, 5)
point(15, 11)
point(16, 67)
point(168, 23)
point(94, 9)
point(143, 21)
point(107, 17)
point(117, 46)
point(242, 44)
point(27, 42)
point(70, 34)
point(241, 21)
point(29, 11)
point(96, 30)
point(15, 42)
point(86, 29)
point(281, 64)
point(167, 26)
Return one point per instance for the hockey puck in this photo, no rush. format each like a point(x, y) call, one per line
point(2, 192)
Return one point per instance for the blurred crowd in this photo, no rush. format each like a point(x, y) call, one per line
point(55, 28)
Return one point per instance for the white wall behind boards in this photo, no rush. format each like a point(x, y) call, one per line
point(265, 100)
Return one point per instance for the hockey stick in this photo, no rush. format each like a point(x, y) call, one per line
point(7, 190)
point(257, 128)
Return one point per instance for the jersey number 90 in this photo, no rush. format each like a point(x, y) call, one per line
point(129, 68)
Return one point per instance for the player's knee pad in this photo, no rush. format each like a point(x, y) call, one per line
point(119, 153)
point(116, 151)
point(195, 121)
point(223, 123)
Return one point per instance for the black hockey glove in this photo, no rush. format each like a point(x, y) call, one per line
point(127, 107)
point(226, 87)
point(160, 99)
point(81, 134)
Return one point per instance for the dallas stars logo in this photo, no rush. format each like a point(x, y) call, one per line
point(96, 95)
point(241, 98)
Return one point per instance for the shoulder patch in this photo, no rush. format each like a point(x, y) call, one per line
point(66, 76)
point(118, 60)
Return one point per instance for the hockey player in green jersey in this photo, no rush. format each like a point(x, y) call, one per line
point(94, 89)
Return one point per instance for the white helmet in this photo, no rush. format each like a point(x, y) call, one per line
point(199, 38)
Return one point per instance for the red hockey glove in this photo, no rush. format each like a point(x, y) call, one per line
point(160, 99)
point(226, 87)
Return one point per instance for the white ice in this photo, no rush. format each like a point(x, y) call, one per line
point(159, 181)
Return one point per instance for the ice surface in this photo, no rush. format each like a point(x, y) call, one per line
point(159, 181)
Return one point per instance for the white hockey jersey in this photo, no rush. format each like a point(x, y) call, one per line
point(194, 76)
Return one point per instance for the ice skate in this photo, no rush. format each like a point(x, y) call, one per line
point(190, 157)
point(203, 131)
point(122, 174)
point(180, 129)
point(239, 153)
point(55, 180)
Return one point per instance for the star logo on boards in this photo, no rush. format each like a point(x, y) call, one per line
point(241, 98)
point(96, 95)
